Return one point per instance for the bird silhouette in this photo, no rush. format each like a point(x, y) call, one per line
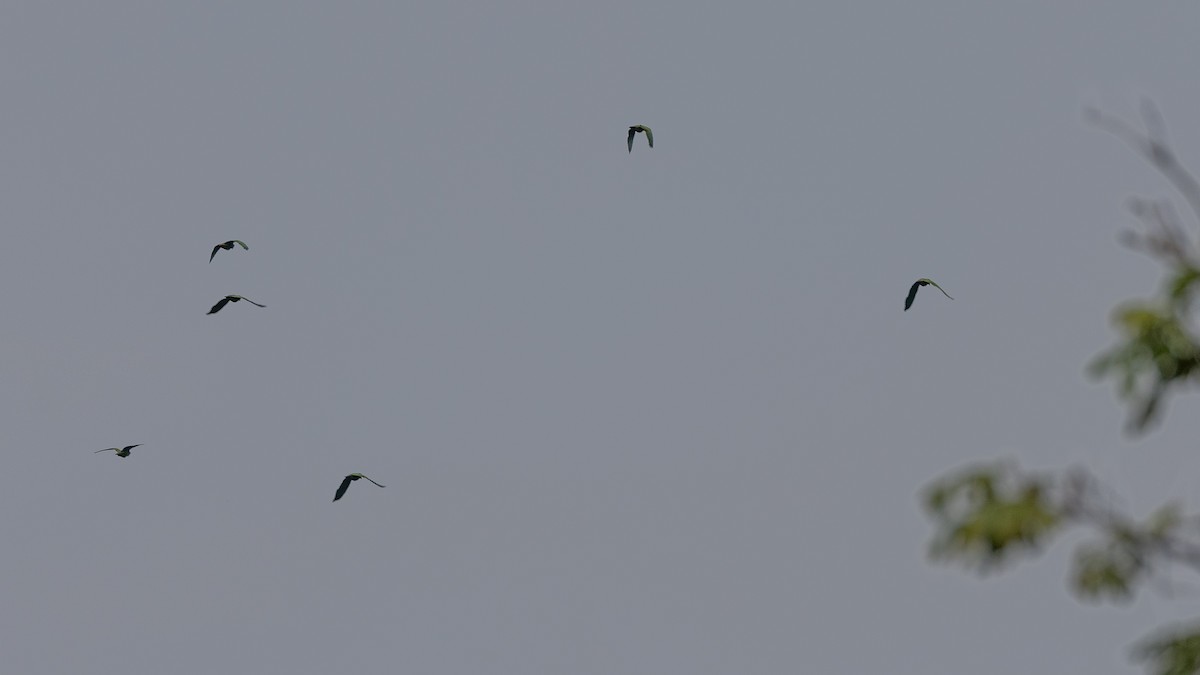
point(633, 132)
point(121, 452)
point(346, 484)
point(228, 299)
point(227, 246)
point(912, 292)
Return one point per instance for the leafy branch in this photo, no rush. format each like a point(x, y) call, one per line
point(1159, 349)
point(988, 515)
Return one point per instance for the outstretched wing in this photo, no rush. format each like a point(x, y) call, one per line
point(343, 487)
point(912, 294)
point(242, 243)
point(130, 447)
point(214, 253)
point(629, 141)
point(217, 307)
point(934, 284)
point(362, 476)
point(105, 450)
point(250, 301)
point(649, 135)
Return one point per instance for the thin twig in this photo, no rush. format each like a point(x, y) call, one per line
point(1154, 147)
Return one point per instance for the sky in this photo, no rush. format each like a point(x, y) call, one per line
point(656, 411)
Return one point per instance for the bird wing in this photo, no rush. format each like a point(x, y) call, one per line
point(912, 293)
point(130, 447)
point(243, 244)
point(649, 135)
point(105, 450)
point(250, 301)
point(371, 480)
point(934, 284)
point(342, 488)
point(217, 307)
point(214, 253)
point(629, 141)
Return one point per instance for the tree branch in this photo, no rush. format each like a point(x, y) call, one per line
point(1154, 147)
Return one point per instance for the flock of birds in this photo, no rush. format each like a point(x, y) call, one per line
point(345, 485)
point(228, 246)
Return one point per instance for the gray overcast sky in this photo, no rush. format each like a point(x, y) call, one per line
point(657, 412)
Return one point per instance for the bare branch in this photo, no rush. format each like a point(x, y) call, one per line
point(1153, 146)
point(1166, 237)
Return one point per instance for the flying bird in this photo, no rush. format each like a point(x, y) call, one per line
point(912, 292)
point(228, 299)
point(121, 452)
point(227, 246)
point(346, 484)
point(633, 132)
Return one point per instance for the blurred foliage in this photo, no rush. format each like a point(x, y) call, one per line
point(1157, 349)
point(1112, 567)
point(1176, 652)
point(991, 514)
point(1106, 569)
point(988, 514)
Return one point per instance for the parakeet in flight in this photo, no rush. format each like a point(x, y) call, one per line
point(912, 292)
point(121, 452)
point(227, 246)
point(346, 484)
point(228, 299)
point(633, 130)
